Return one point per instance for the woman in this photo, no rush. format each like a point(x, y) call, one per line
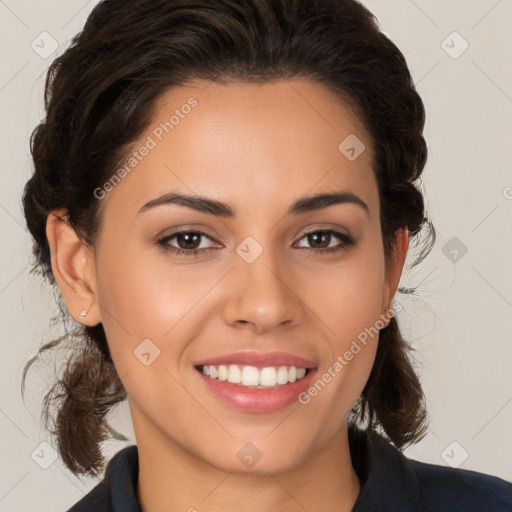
point(224, 194)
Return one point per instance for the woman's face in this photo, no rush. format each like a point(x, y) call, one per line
point(264, 291)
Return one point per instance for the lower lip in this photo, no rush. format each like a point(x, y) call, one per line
point(258, 400)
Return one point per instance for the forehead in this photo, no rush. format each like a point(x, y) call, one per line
point(249, 143)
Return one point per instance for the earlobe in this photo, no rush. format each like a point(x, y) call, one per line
point(73, 267)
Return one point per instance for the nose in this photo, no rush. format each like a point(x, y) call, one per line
point(262, 296)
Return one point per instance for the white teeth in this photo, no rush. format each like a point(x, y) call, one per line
point(251, 376)
point(234, 374)
point(223, 372)
point(268, 376)
point(282, 375)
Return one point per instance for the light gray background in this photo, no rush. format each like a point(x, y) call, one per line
point(460, 320)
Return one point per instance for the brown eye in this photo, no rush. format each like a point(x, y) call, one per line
point(320, 241)
point(186, 242)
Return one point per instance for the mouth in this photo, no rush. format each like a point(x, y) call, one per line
point(256, 382)
point(246, 395)
point(249, 376)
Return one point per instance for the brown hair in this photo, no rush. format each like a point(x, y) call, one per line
point(99, 97)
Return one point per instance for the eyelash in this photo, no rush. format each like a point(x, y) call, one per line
point(347, 241)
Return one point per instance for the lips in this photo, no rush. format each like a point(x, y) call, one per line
point(243, 369)
point(258, 359)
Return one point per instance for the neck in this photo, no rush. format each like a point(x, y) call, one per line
point(171, 478)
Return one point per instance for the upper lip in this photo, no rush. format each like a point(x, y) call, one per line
point(258, 359)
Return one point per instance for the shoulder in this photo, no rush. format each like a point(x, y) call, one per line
point(446, 488)
point(117, 491)
point(391, 481)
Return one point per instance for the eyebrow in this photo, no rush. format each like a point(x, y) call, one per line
point(221, 209)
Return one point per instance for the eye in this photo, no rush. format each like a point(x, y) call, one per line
point(321, 241)
point(189, 242)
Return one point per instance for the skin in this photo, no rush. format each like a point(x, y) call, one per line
point(258, 148)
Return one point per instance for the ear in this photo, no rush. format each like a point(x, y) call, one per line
point(73, 266)
point(394, 267)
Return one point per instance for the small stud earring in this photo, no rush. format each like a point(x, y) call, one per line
point(85, 311)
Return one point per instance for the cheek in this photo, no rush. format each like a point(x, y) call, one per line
point(354, 304)
point(138, 303)
point(348, 301)
point(151, 312)
point(142, 295)
point(348, 296)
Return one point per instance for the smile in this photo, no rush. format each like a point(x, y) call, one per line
point(253, 377)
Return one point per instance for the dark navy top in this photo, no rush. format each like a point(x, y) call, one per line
point(390, 482)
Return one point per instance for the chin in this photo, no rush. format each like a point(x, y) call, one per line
point(247, 459)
